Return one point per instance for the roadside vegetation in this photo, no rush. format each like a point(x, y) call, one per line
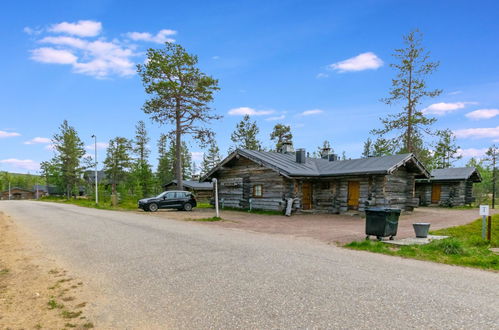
point(465, 247)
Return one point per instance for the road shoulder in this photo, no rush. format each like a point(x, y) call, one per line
point(35, 292)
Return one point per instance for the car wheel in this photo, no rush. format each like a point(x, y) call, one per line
point(153, 207)
point(188, 207)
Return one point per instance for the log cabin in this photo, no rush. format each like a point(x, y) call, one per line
point(448, 187)
point(250, 179)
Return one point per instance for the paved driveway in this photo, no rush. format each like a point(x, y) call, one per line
point(330, 228)
point(153, 274)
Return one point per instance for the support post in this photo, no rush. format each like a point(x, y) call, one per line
point(489, 228)
point(215, 184)
point(483, 226)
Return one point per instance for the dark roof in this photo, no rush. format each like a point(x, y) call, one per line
point(456, 173)
point(286, 164)
point(17, 188)
point(196, 185)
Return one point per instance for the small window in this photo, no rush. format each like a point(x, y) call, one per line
point(170, 195)
point(258, 190)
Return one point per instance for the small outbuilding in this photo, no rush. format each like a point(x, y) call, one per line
point(18, 193)
point(268, 180)
point(448, 187)
point(202, 190)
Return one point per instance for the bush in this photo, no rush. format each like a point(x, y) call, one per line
point(450, 246)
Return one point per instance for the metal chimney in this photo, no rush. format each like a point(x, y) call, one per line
point(300, 156)
point(333, 157)
point(287, 147)
point(325, 153)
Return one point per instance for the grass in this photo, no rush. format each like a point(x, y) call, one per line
point(465, 247)
point(4, 271)
point(212, 219)
point(54, 304)
point(102, 205)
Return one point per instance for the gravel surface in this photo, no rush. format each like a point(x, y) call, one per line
point(153, 273)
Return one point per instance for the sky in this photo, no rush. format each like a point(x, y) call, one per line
point(319, 66)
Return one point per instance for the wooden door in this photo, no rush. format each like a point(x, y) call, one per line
point(436, 190)
point(306, 190)
point(353, 195)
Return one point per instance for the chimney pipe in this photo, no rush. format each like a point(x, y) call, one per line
point(287, 147)
point(300, 156)
point(325, 153)
point(333, 157)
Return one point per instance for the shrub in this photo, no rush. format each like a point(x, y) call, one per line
point(450, 246)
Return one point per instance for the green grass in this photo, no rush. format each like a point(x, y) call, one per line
point(465, 247)
point(203, 205)
point(54, 304)
point(212, 219)
point(104, 205)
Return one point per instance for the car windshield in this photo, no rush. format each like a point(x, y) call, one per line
point(162, 194)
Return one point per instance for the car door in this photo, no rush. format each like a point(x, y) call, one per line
point(168, 200)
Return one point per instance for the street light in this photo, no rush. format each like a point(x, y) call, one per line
point(95, 159)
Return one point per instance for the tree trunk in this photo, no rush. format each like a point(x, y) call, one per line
point(409, 114)
point(68, 191)
point(178, 153)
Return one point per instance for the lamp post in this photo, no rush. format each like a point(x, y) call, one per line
point(96, 182)
point(215, 183)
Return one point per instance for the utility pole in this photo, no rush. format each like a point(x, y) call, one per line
point(9, 191)
point(96, 182)
point(492, 153)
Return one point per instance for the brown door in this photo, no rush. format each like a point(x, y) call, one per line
point(306, 190)
point(353, 195)
point(435, 193)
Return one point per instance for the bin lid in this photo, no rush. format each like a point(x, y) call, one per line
point(383, 209)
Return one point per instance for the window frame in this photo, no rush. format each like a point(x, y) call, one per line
point(261, 191)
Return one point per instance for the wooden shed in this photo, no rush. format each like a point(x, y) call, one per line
point(202, 190)
point(448, 187)
point(18, 193)
point(266, 180)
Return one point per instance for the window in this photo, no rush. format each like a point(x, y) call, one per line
point(170, 195)
point(258, 190)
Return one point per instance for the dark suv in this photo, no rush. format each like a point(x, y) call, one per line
point(173, 199)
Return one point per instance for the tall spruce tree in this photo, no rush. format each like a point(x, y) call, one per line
point(245, 135)
point(180, 96)
point(211, 158)
point(492, 157)
point(281, 133)
point(141, 169)
point(118, 161)
point(164, 171)
point(69, 151)
point(409, 87)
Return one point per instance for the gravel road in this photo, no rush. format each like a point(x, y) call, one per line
point(153, 273)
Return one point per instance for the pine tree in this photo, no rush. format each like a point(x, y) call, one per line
point(492, 157)
point(281, 133)
point(211, 158)
point(180, 96)
point(409, 86)
point(164, 171)
point(141, 173)
point(118, 161)
point(445, 152)
point(245, 135)
point(69, 151)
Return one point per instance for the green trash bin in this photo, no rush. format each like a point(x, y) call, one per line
point(382, 222)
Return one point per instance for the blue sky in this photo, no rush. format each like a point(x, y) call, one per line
point(320, 66)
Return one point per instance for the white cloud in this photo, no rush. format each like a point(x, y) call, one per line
point(471, 152)
point(31, 31)
point(215, 57)
point(4, 134)
point(281, 117)
point(364, 61)
point(455, 92)
point(311, 112)
point(83, 28)
point(483, 114)
point(321, 75)
point(476, 133)
point(249, 111)
point(100, 146)
point(52, 55)
point(161, 37)
point(38, 140)
point(443, 108)
point(98, 58)
point(197, 155)
point(23, 164)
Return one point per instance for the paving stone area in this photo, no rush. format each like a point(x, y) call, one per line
point(415, 240)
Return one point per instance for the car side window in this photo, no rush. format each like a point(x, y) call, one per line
point(180, 195)
point(170, 195)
